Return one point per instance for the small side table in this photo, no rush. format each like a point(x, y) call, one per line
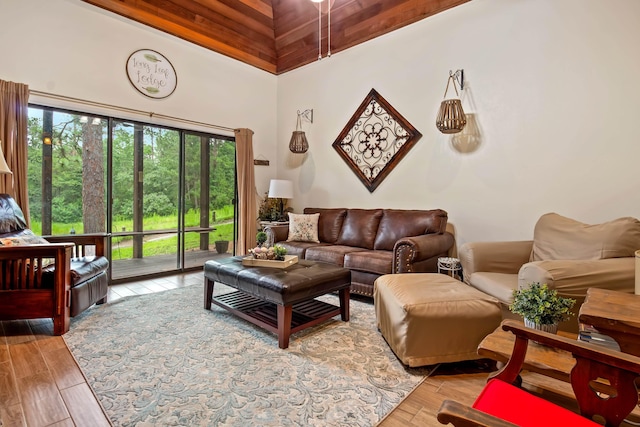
point(616, 314)
point(450, 266)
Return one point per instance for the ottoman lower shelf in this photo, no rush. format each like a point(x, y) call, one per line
point(265, 314)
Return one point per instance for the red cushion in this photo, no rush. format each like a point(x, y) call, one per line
point(517, 406)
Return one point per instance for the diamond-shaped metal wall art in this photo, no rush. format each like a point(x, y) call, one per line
point(374, 140)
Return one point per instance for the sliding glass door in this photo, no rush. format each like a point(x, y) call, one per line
point(171, 192)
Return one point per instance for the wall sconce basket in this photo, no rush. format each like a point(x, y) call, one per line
point(298, 143)
point(451, 117)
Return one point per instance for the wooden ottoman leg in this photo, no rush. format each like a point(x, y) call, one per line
point(208, 292)
point(344, 304)
point(284, 325)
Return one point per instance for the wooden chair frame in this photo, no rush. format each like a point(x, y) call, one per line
point(22, 295)
point(598, 371)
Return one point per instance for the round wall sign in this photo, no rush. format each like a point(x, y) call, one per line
point(151, 73)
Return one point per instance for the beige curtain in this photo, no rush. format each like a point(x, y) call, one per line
point(14, 111)
point(248, 214)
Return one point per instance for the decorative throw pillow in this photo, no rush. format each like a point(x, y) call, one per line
point(24, 238)
point(303, 228)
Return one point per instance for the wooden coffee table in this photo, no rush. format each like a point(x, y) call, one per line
point(279, 300)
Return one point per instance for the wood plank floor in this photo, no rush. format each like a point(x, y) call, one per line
point(41, 384)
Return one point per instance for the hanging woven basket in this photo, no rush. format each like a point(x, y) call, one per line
point(451, 117)
point(298, 143)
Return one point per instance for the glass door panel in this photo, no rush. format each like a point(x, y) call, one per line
point(66, 172)
point(209, 202)
point(145, 198)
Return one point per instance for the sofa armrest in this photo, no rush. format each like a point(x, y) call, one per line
point(497, 257)
point(572, 278)
point(82, 243)
point(276, 233)
point(409, 250)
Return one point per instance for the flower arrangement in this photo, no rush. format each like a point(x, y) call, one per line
point(276, 252)
point(541, 305)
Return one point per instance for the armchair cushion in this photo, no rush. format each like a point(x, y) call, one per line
point(11, 216)
point(572, 278)
point(21, 238)
point(82, 269)
point(519, 407)
point(557, 237)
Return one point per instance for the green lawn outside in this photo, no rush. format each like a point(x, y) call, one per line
point(121, 246)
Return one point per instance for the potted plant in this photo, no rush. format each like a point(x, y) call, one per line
point(222, 246)
point(261, 237)
point(542, 308)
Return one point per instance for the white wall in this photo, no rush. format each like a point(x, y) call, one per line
point(553, 85)
point(70, 48)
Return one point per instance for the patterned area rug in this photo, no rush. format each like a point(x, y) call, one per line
point(163, 360)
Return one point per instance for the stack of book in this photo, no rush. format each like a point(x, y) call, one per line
point(591, 335)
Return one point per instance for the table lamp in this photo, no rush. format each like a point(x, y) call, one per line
point(281, 189)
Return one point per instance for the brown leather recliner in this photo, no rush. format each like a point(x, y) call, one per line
point(56, 278)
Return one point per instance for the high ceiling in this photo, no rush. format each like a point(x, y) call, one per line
point(274, 35)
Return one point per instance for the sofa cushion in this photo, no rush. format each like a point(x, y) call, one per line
point(556, 237)
point(299, 248)
point(329, 224)
point(333, 254)
point(303, 228)
point(379, 262)
point(360, 228)
point(396, 224)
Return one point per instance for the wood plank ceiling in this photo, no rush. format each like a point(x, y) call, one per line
point(275, 35)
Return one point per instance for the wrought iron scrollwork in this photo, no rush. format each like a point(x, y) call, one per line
point(375, 139)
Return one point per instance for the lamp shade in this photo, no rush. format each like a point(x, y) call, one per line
point(4, 168)
point(637, 292)
point(281, 189)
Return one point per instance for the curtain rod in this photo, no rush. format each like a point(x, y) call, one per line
point(126, 110)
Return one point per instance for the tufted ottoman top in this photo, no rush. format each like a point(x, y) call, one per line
point(299, 282)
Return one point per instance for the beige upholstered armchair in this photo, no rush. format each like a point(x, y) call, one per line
point(567, 255)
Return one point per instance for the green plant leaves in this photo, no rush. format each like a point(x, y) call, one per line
point(541, 305)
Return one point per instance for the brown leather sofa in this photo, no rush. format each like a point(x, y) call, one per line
point(373, 242)
point(55, 278)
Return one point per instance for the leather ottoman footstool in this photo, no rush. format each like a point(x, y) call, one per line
point(279, 300)
point(430, 318)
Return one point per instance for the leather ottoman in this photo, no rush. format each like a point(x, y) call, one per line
point(279, 300)
point(430, 318)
